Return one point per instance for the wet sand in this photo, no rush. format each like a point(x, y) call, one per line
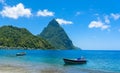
point(12, 69)
point(44, 69)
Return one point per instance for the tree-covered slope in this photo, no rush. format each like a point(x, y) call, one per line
point(21, 38)
point(56, 35)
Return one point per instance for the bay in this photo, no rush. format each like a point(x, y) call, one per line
point(99, 60)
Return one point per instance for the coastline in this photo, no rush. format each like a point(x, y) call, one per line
point(17, 48)
point(45, 69)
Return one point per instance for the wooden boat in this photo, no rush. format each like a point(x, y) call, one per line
point(74, 61)
point(21, 54)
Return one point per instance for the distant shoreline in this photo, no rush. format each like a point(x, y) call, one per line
point(17, 48)
point(25, 48)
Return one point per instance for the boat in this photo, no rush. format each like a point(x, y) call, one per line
point(21, 54)
point(74, 61)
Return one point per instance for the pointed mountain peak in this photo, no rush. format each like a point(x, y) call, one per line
point(53, 19)
point(53, 22)
point(56, 36)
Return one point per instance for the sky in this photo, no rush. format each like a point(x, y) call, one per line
point(90, 24)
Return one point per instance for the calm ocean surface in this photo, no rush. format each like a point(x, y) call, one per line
point(108, 61)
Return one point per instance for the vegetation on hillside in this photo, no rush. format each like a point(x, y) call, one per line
point(21, 38)
point(56, 35)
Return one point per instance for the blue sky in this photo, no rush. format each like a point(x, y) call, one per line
point(90, 24)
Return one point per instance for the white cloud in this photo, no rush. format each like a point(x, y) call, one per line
point(16, 11)
point(62, 21)
point(115, 16)
point(98, 24)
point(107, 21)
point(45, 13)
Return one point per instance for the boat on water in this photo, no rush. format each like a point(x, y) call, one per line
point(74, 61)
point(21, 54)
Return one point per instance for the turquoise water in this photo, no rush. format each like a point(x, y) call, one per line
point(108, 61)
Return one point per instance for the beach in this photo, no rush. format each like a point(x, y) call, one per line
point(13, 69)
point(49, 69)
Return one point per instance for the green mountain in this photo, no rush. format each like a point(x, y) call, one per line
point(14, 37)
point(56, 35)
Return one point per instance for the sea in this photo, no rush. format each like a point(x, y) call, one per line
point(100, 60)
